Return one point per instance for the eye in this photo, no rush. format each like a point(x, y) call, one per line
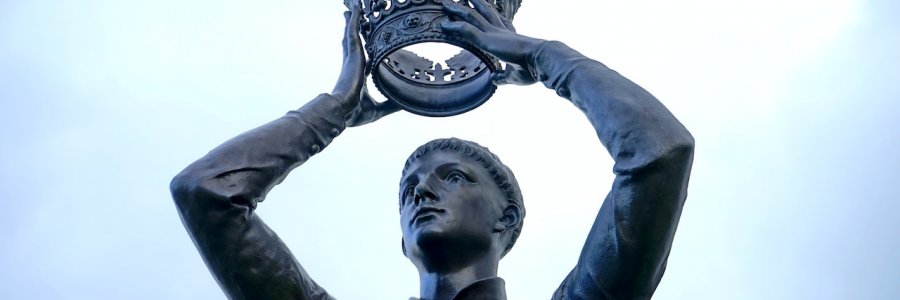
point(407, 193)
point(456, 176)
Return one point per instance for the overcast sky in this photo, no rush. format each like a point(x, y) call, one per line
point(794, 104)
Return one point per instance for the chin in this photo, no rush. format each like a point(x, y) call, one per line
point(429, 235)
point(435, 245)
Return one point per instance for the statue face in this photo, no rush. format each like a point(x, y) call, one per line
point(449, 207)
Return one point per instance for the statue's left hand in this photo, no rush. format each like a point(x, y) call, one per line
point(485, 28)
point(350, 89)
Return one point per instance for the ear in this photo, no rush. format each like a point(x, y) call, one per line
point(403, 246)
point(512, 214)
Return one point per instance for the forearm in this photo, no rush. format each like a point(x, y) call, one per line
point(633, 125)
point(244, 168)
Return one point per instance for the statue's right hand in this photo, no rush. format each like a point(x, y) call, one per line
point(350, 89)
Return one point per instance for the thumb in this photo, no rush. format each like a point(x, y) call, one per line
point(386, 108)
point(380, 109)
point(500, 77)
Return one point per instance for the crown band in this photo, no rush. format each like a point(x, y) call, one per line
point(417, 84)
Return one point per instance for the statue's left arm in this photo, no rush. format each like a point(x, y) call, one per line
point(625, 253)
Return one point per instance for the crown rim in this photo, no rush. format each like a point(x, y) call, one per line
point(414, 22)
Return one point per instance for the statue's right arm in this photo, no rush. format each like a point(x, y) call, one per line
point(216, 197)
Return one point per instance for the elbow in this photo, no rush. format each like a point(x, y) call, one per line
point(676, 148)
point(679, 155)
point(679, 140)
point(182, 188)
point(683, 148)
point(673, 153)
point(194, 189)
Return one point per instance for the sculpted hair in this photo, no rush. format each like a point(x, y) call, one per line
point(500, 173)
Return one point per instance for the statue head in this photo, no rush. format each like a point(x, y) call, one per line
point(458, 204)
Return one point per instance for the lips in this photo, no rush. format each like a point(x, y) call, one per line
point(425, 211)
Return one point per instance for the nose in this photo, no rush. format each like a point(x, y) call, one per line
point(424, 192)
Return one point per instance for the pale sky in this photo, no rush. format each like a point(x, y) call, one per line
point(794, 105)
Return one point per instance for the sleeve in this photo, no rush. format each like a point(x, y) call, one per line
point(625, 253)
point(216, 197)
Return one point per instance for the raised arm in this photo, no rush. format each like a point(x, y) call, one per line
point(216, 195)
point(625, 254)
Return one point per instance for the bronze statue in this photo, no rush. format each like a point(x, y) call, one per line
point(461, 209)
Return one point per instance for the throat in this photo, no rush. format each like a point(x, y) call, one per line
point(493, 288)
point(437, 255)
point(450, 285)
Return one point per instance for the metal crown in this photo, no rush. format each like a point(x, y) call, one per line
point(415, 83)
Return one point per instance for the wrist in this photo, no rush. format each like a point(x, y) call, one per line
point(538, 57)
point(533, 48)
point(328, 107)
point(342, 99)
point(554, 63)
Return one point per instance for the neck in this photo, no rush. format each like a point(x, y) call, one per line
point(446, 285)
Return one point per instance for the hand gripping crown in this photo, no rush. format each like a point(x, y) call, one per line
point(417, 84)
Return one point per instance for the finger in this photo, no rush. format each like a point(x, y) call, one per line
point(500, 77)
point(488, 11)
point(508, 24)
point(464, 30)
point(355, 11)
point(352, 40)
point(513, 74)
point(385, 108)
point(348, 27)
point(466, 14)
point(370, 111)
point(352, 15)
point(345, 42)
point(350, 4)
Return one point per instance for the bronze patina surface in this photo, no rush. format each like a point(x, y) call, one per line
point(461, 209)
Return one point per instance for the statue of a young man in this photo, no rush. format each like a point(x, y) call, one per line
point(461, 209)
